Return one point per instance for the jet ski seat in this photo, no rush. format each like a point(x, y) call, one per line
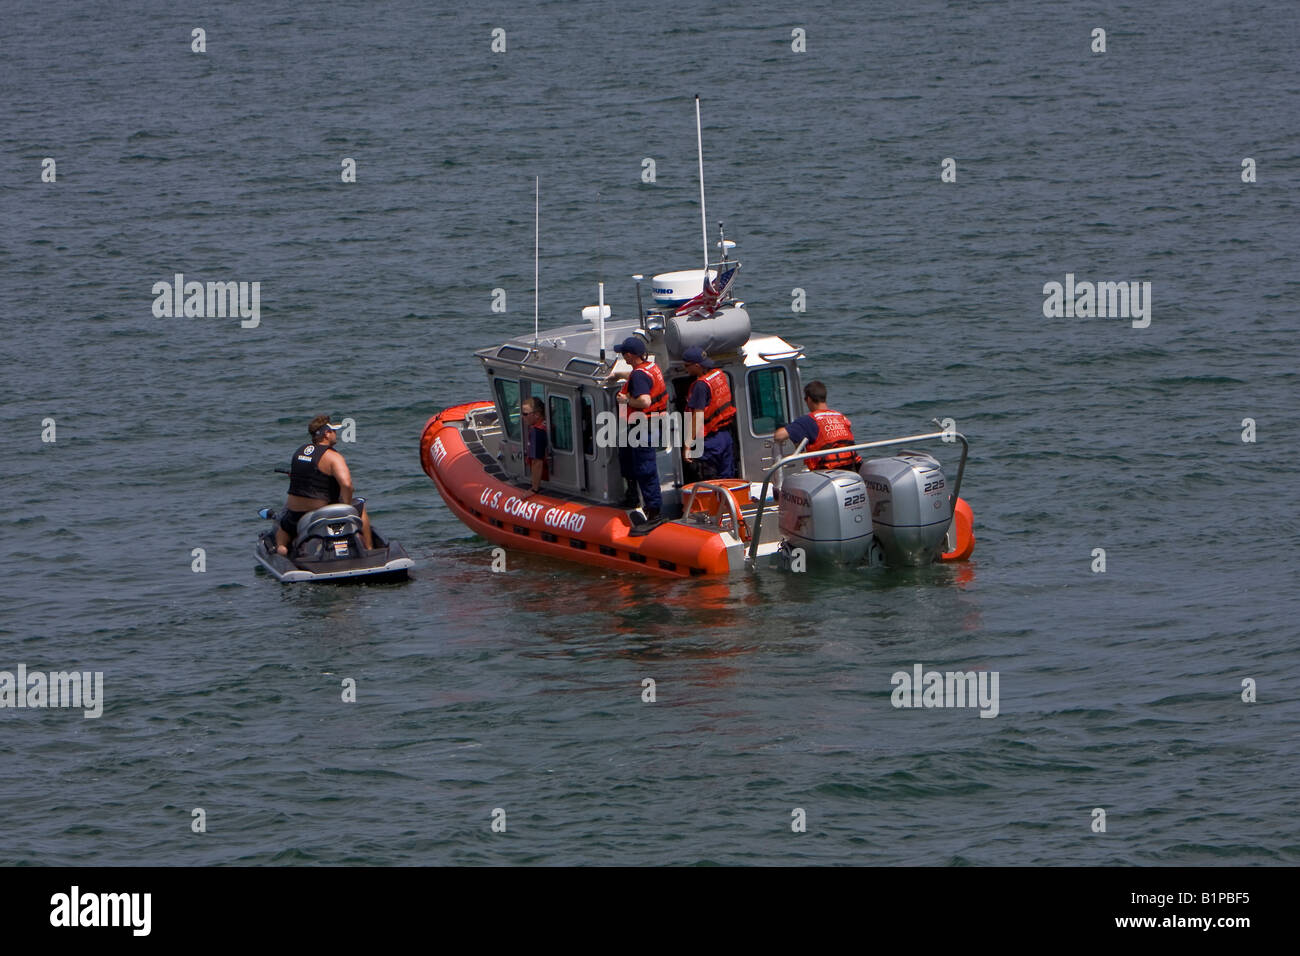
point(315, 522)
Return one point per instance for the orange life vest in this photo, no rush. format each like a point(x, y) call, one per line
point(720, 411)
point(833, 431)
point(658, 389)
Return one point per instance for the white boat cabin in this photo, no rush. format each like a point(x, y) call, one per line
point(565, 368)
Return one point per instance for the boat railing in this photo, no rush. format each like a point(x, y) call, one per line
point(947, 436)
point(723, 493)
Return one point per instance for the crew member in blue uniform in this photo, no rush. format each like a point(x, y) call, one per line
point(824, 428)
point(644, 392)
point(710, 395)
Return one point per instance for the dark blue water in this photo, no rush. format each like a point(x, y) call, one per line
point(522, 691)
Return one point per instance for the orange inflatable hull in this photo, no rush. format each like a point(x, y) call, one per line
point(963, 520)
point(591, 534)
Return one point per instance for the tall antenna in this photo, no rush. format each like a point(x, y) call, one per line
point(537, 219)
point(600, 317)
point(704, 220)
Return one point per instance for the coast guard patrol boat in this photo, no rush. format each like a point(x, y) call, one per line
point(899, 510)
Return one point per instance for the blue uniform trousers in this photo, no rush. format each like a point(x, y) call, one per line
point(638, 465)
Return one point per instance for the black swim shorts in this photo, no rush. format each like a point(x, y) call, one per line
point(289, 522)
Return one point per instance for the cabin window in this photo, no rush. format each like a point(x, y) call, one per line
point(561, 419)
point(582, 367)
point(768, 400)
point(508, 403)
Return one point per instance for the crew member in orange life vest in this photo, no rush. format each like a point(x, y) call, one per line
point(318, 476)
point(535, 450)
point(710, 394)
point(823, 428)
point(644, 391)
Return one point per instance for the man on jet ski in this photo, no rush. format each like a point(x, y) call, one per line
point(318, 476)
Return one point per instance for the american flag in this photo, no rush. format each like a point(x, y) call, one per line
point(707, 301)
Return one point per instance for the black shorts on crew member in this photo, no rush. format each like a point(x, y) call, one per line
point(289, 522)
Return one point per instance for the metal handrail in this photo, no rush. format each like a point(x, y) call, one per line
point(797, 449)
point(861, 446)
point(724, 495)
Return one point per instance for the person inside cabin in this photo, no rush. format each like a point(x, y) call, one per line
point(710, 394)
point(535, 444)
point(645, 392)
point(824, 428)
point(318, 476)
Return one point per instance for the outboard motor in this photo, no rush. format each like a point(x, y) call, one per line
point(910, 507)
point(827, 514)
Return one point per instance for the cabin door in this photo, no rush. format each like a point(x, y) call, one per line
point(508, 410)
point(564, 430)
point(767, 407)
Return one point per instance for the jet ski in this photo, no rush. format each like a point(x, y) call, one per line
point(328, 547)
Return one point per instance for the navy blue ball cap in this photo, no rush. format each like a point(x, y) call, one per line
point(634, 345)
point(695, 356)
